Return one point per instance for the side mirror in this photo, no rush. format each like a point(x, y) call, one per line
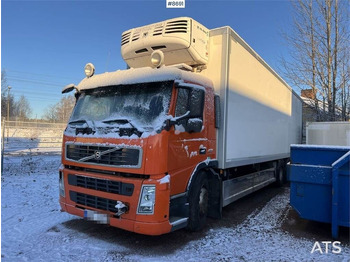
point(194, 125)
point(68, 88)
point(175, 120)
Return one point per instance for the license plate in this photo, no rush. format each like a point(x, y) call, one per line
point(95, 216)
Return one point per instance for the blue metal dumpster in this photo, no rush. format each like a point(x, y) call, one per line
point(319, 177)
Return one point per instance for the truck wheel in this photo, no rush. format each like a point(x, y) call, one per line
point(198, 202)
point(280, 176)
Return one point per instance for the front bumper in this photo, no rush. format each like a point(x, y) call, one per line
point(148, 224)
point(145, 228)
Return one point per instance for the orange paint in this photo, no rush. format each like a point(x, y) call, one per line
point(168, 152)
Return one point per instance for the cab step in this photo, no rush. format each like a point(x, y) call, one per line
point(178, 222)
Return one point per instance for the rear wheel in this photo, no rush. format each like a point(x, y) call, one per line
point(280, 174)
point(198, 202)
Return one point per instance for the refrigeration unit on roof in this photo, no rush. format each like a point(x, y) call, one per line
point(182, 40)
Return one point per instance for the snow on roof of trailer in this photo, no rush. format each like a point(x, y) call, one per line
point(141, 75)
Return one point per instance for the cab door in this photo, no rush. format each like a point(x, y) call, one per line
point(188, 140)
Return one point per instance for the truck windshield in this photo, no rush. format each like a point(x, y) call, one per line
point(137, 106)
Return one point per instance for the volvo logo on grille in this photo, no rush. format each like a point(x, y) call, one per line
point(97, 154)
point(94, 154)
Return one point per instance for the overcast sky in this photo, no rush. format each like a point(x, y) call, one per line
point(46, 44)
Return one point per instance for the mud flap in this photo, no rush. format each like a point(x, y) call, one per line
point(215, 195)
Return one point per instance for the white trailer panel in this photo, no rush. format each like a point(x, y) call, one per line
point(328, 133)
point(261, 115)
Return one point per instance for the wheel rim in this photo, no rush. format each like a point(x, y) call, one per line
point(203, 201)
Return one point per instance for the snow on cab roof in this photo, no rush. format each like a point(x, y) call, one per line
point(141, 75)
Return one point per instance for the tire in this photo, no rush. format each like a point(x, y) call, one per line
point(280, 175)
point(198, 202)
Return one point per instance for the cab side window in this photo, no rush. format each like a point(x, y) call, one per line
point(190, 104)
point(182, 102)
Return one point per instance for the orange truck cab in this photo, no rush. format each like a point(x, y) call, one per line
point(154, 148)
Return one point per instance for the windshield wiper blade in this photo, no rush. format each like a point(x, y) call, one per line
point(78, 121)
point(125, 130)
point(120, 121)
point(84, 130)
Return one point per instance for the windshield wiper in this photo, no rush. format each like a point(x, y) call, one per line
point(77, 121)
point(125, 130)
point(120, 121)
point(84, 130)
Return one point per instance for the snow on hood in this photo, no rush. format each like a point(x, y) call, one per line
point(141, 75)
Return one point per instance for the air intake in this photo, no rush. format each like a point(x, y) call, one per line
point(125, 38)
point(135, 36)
point(178, 26)
point(158, 30)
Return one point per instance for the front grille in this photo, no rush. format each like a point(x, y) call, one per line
point(106, 172)
point(103, 155)
point(93, 201)
point(114, 187)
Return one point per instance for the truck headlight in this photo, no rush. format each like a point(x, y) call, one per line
point(61, 183)
point(147, 199)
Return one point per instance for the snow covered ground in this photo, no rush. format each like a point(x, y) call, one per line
point(32, 140)
point(34, 229)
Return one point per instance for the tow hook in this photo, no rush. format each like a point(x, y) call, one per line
point(121, 208)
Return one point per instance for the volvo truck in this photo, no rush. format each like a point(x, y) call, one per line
point(197, 121)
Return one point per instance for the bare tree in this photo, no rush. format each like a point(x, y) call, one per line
point(3, 80)
point(23, 109)
point(6, 97)
point(61, 111)
point(344, 94)
point(50, 113)
point(20, 109)
point(301, 68)
point(319, 54)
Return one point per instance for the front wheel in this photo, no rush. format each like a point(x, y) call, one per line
point(198, 202)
